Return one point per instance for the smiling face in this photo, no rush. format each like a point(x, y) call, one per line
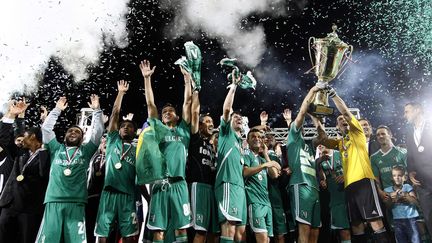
point(367, 129)
point(169, 115)
point(255, 140)
point(74, 136)
point(206, 126)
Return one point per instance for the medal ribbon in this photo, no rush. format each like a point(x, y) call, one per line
point(69, 159)
point(125, 153)
point(30, 159)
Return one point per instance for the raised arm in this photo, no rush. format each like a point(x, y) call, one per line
point(287, 116)
point(186, 112)
point(48, 125)
point(340, 104)
point(97, 120)
point(147, 73)
point(122, 88)
point(322, 138)
point(229, 99)
point(298, 122)
point(195, 107)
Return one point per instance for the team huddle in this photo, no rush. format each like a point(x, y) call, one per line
point(211, 185)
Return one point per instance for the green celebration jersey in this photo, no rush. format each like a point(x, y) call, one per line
point(333, 168)
point(273, 184)
point(173, 144)
point(256, 185)
point(229, 160)
point(121, 155)
point(72, 187)
point(301, 160)
point(382, 164)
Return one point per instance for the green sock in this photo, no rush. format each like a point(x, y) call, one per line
point(226, 239)
point(181, 238)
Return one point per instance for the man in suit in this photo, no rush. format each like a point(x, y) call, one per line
point(419, 162)
point(22, 197)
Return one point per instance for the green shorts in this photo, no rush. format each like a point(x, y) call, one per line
point(116, 206)
point(63, 220)
point(305, 205)
point(231, 203)
point(260, 218)
point(339, 217)
point(169, 202)
point(203, 205)
point(279, 221)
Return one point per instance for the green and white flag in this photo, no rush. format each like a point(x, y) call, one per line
point(192, 63)
point(247, 81)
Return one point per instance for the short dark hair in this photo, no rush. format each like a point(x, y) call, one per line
point(202, 116)
point(36, 131)
point(364, 119)
point(76, 126)
point(168, 105)
point(129, 121)
point(251, 131)
point(386, 128)
point(236, 112)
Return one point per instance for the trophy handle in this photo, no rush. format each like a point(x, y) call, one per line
point(311, 40)
point(347, 57)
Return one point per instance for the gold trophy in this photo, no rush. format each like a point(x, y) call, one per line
point(331, 57)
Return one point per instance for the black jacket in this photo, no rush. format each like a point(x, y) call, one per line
point(419, 158)
point(27, 196)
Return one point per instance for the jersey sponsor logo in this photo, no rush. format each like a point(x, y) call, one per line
point(173, 139)
point(207, 162)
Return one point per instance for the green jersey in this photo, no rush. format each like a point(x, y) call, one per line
point(256, 185)
point(120, 165)
point(174, 144)
point(301, 159)
point(333, 168)
point(382, 164)
point(273, 185)
point(68, 173)
point(229, 161)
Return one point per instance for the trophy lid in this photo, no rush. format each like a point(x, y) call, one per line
point(333, 38)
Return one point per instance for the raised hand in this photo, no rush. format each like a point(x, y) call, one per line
point(122, 86)
point(62, 103)
point(128, 117)
point(105, 118)
point(17, 107)
point(44, 113)
point(263, 117)
point(287, 115)
point(145, 69)
point(94, 102)
point(234, 79)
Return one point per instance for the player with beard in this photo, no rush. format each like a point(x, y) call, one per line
point(256, 168)
point(359, 180)
point(66, 196)
point(117, 201)
point(169, 203)
point(201, 172)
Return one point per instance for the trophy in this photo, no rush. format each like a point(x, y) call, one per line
point(331, 57)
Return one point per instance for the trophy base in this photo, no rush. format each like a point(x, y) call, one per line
point(321, 110)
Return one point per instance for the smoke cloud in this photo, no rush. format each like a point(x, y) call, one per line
point(74, 32)
point(225, 20)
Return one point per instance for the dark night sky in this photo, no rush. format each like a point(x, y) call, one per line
point(377, 87)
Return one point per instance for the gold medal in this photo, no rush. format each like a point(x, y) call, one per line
point(67, 172)
point(345, 154)
point(98, 173)
point(260, 177)
point(118, 165)
point(20, 178)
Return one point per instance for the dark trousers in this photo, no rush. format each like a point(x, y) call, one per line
point(406, 231)
point(18, 227)
point(425, 200)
